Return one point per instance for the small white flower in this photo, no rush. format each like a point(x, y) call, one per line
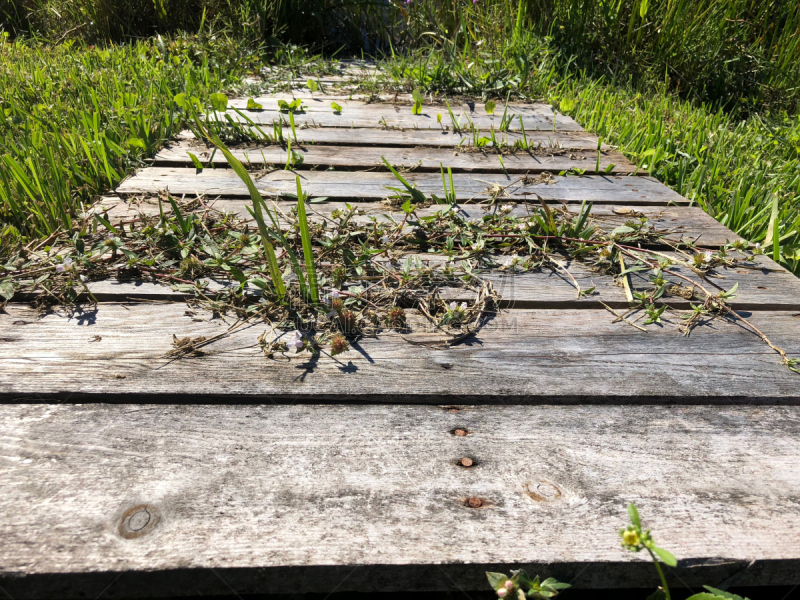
point(506, 208)
point(509, 585)
point(708, 256)
point(384, 239)
point(758, 245)
point(68, 262)
point(60, 268)
point(334, 294)
point(502, 592)
point(453, 305)
point(522, 226)
point(110, 236)
point(84, 279)
point(463, 306)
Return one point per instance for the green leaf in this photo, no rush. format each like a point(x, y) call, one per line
point(722, 594)
point(312, 85)
point(773, 233)
point(490, 106)
point(336, 107)
point(622, 229)
point(180, 100)
point(704, 596)
point(417, 108)
point(253, 105)
point(137, 143)
point(7, 289)
point(566, 105)
point(417, 96)
point(643, 9)
point(524, 579)
point(496, 580)
point(219, 102)
point(196, 161)
point(633, 515)
point(665, 555)
point(308, 250)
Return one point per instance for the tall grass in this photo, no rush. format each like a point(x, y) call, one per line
point(737, 54)
point(75, 119)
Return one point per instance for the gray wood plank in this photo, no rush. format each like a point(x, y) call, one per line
point(298, 499)
point(521, 356)
point(374, 185)
point(388, 104)
point(762, 285)
point(419, 159)
point(427, 137)
point(388, 118)
point(677, 223)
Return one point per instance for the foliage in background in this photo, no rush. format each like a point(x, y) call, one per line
point(734, 53)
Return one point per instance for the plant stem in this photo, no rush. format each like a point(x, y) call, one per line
point(660, 574)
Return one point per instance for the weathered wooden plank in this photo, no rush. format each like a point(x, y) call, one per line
point(388, 118)
point(361, 104)
point(521, 356)
point(420, 159)
point(572, 140)
point(374, 185)
point(296, 499)
point(688, 223)
point(762, 285)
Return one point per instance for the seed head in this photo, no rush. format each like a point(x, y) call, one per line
point(396, 317)
point(347, 319)
point(338, 345)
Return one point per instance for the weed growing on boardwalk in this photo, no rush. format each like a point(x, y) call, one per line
point(634, 539)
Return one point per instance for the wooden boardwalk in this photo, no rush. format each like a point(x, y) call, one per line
point(227, 471)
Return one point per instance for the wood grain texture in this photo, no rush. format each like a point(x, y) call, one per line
point(389, 117)
point(293, 498)
point(521, 356)
point(687, 223)
point(421, 159)
point(574, 140)
point(374, 185)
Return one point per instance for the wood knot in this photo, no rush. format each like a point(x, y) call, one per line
point(138, 521)
point(542, 491)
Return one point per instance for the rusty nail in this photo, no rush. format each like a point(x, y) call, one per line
point(475, 502)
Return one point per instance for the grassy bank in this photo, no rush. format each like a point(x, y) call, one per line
point(76, 118)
